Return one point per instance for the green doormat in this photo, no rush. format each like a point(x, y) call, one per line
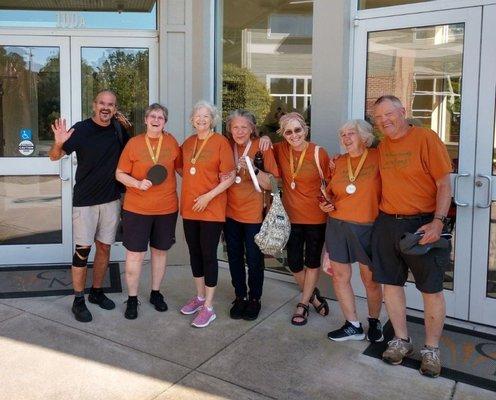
point(49, 280)
point(467, 356)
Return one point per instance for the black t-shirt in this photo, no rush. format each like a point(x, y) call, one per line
point(98, 149)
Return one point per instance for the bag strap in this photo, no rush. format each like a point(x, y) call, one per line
point(252, 174)
point(273, 183)
point(317, 161)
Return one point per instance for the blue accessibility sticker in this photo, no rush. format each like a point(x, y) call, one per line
point(26, 134)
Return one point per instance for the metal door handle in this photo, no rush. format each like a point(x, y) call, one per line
point(489, 191)
point(455, 189)
point(61, 174)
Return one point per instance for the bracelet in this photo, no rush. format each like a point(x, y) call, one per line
point(441, 218)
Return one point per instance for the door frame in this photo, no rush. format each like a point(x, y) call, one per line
point(482, 308)
point(117, 251)
point(457, 300)
point(44, 253)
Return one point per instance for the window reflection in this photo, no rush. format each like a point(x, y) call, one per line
point(491, 267)
point(267, 59)
point(364, 4)
point(422, 67)
point(125, 71)
point(30, 210)
point(29, 98)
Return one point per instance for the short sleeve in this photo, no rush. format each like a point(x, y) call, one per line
point(226, 156)
point(324, 164)
point(71, 144)
point(438, 161)
point(125, 163)
point(270, 164)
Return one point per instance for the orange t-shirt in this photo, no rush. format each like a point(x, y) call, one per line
point(244, 203)
point(215, 158)
point(302, 203)
point(409, 169)
point(363, 205)
point(136, 161)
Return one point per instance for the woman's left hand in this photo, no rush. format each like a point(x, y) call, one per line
point(265, 143)
point(201, 202)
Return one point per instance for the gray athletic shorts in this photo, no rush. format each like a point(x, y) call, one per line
point(98, 222)
point(348, 242)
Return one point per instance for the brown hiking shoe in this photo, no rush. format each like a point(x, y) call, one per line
point(431, 362)
point(397, 349)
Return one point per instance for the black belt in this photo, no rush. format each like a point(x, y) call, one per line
point(410, 216)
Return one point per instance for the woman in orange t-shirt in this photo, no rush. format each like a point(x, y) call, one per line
point(147, 167)
point(301, 186)
point(354, 192)
point(208, 170)
point(244, 212)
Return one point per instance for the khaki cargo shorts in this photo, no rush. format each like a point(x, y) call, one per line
point(98, 222)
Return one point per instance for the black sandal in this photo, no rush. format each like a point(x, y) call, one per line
point(323, 302)
point(303, 315)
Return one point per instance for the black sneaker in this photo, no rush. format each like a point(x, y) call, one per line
point(238, 309)
point(131, 308)
point(347, 332)
point(80, 311)
point(252, 309)
point(374, 333)
point(97, 296)
point(157, 299)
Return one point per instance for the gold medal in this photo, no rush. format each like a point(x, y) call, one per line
point(294, 172)
point(196, 155)
point(351, 188)
point(352, 176)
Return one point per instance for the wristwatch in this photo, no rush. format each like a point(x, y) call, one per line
point(441, 218)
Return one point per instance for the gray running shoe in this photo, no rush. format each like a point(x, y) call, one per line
point(397, 350)
point(431, 362)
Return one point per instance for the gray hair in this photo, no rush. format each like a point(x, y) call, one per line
point(243, 114)
point(393, 99)
point(362, 127)
point(214, 113)
point(287, 118)
point(157, 107)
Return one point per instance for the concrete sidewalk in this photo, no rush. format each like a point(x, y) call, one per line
point(46, 354)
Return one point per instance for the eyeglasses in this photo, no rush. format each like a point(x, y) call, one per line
point(290, 132)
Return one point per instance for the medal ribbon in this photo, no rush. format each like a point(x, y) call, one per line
point(294, 172)
point(155, 155)
point(236, 155)
point(353, 175)
point(195, 154)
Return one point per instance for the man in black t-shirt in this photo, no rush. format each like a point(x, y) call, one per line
point(98, 142)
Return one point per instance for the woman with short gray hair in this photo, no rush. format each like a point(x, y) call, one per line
point(354, 192)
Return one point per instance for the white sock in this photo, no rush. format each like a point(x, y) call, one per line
point(201, 298)
point(356, 324)
point(210, 308)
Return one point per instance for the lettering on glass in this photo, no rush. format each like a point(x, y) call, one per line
point(70, 20)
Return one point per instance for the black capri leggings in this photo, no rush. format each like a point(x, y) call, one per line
point(202, 238)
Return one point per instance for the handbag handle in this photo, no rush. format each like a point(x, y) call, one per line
point(273, 183)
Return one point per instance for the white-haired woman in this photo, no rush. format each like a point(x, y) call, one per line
point(354, 190)
point(244, 213)
point(301, 184)
point(208, 170)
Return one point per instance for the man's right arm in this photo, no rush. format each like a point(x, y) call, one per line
point(56, 152)
point(61, 135)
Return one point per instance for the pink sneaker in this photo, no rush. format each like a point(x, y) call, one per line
point(204, 317)
point(192, 306)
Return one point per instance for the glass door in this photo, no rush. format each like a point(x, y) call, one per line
point(483, 276)
point(35, 193)
point(128, 66)
point(430, 61)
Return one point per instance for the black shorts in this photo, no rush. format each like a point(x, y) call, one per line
point(390, 266)
point(139, 229)
point(347, 242)
point(305, 239)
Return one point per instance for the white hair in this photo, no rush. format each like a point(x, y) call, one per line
point(362, 127)
point(214, 113)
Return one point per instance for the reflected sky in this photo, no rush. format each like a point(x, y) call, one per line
point(78, 20)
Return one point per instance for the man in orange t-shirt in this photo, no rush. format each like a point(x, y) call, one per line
point(416, 194)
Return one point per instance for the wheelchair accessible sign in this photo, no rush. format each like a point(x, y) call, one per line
point(26, 145)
